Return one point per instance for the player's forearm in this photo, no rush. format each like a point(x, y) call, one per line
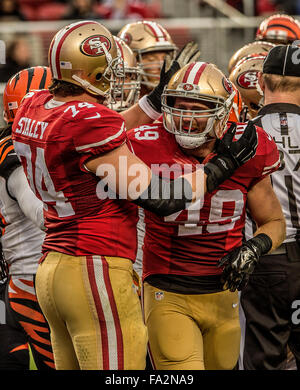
point(275, 229)
point(147, 190)
point(139, 114)
point(128, 176)
point(171, 196)
point(135, 117)
point(31, 206)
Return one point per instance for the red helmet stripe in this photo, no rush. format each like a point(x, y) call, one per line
point(158, 32)
point(120, 48)
point(193, 72)
point(199, 73)
point(50, 53)
point(187, 73)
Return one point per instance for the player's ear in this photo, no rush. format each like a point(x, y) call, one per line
point(261, 81)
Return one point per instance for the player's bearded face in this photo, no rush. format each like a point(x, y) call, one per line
point(191, 120)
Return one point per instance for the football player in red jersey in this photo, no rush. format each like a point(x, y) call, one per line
point(67, 140)
point(190, 300)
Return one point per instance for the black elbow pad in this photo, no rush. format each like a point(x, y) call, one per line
point(165, 197)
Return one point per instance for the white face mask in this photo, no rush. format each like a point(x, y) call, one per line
point(125, 93)
point(188, 142)
point(216, 119)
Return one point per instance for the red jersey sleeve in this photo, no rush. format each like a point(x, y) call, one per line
point(97, 132)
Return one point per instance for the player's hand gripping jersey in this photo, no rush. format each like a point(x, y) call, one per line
point(192, 241)
point(56, 147)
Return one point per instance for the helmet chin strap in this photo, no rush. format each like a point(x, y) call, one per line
point(88, 86)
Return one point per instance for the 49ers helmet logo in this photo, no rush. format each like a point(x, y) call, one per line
point(93, 46)
point(188, 87)
point(127, 38)
point(227, 85)
point(248, 79)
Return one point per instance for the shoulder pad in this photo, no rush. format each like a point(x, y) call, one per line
point(88, 112)
point(8, 158)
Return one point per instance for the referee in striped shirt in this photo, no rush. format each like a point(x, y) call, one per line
point(271, 300)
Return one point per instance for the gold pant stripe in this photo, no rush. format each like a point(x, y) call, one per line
point(111, 334)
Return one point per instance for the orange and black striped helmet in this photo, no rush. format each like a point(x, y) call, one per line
point(35, 78)
point(279, 29)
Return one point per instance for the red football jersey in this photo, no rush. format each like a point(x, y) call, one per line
point(53, 142)
point(191, 242)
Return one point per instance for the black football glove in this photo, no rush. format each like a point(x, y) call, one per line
point(189, 53)
point(240, 262)
point(230, 155)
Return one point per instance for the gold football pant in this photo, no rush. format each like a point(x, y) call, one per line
point(93, 311)
point(192, 332)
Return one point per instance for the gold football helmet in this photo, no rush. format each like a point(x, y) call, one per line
point(245, 77)
point(125, 91)
point(250, 48)
point(85, 54)
point(146, 37)
point(279, 29)
point(206, 84)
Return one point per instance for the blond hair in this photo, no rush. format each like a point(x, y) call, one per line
point(277, 83)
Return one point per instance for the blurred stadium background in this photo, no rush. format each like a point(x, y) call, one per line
point(220, 27)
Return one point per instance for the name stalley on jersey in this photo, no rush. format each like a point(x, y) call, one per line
point(31, 127)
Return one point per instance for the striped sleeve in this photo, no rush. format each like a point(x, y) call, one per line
point(8, 158)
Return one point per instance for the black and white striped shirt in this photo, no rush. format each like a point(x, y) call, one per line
point(282, 122)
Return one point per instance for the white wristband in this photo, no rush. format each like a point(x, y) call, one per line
point(148, 110)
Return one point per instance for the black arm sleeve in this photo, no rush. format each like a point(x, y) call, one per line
point(8, 159)
point(165, 197)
